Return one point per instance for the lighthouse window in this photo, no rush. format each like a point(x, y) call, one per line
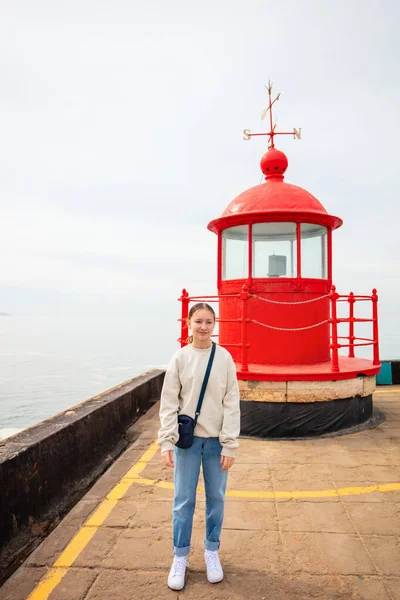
point(235, 252)
point(274, 250)
point(313, 251)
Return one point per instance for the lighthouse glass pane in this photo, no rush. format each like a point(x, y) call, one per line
point(274, 250)
point(235, 252)
point(314, 251)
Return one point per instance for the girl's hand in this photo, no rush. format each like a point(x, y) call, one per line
point(168, 458)
point(226, 462)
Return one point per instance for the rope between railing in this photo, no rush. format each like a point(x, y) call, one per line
point(289, 328)
point(278, 302)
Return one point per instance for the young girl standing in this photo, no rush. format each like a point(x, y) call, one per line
point(214, 442)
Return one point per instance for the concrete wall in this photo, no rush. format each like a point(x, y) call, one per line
point(45, 469)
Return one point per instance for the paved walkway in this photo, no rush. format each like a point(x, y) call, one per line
point(304, 519)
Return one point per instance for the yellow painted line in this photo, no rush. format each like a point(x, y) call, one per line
point(101, 513)
point(47, 584)
point(119, 490)
point(387, 392)
point(135, 471)
point(350, 491)
point(60, 568)
point(75, 547)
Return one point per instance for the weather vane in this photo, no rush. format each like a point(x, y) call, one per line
point(296, 133)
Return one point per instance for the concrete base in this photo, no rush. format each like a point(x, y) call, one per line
point(296, 409)
point(306, 391)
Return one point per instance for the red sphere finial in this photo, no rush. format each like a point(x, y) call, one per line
point(274, 164)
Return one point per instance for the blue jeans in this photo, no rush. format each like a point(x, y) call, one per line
point(186, 476)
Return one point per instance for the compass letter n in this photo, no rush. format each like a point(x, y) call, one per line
point(297, 133)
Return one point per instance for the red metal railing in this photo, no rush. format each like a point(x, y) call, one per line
point(185, 299)
point(352, 339)
point(334, 321)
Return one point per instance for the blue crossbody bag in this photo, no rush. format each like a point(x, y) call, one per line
point(186, 424)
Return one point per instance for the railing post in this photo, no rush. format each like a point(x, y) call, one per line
point(374, 299)
point(184, 315)
point(351, 300)
point(244, 296)
point(333, 320)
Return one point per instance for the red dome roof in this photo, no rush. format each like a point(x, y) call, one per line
point(274, 200)
point(274, 196)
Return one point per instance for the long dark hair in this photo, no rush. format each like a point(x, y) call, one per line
point(193, 310)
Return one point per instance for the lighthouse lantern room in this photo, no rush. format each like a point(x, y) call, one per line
point(278, 310)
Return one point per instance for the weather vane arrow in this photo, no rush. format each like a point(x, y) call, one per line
point(296, 133)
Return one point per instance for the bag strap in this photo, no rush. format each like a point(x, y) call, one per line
point(205, 381)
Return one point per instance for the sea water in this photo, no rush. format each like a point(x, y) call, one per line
point(50, 363)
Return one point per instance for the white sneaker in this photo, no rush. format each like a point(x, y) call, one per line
point(214, 569)
point(176, 577)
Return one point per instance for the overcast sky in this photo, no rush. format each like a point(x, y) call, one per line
point(121, 138)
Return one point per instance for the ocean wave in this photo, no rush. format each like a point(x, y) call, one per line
point(7, 432)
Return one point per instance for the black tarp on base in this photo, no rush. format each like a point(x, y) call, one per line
point(298, 419)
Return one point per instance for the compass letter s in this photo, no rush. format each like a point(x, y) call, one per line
point(246, 134)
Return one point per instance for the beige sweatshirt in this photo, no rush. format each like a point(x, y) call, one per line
point(220, 411)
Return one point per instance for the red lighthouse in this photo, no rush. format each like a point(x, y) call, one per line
point(278, 310)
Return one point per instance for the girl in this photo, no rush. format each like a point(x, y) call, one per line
point(214, 442)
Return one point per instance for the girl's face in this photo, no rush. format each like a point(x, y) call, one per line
point(202, 325)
